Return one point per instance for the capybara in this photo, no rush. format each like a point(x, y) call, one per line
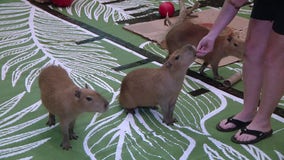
point(184, 32)
point(62, 98)
point(149, 87)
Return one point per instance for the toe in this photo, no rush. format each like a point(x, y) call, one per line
point(223, 124)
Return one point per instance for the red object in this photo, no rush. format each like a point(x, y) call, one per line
point(166, 7)
point(62, 3)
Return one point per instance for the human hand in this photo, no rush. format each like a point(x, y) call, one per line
point(205, 46)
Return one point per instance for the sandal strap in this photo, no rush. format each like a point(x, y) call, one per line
point(255, 133)
point(251, 132)
point(236, 122)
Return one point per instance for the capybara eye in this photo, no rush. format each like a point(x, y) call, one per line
point(177, 57)
point(89, 98)
point(235, 44)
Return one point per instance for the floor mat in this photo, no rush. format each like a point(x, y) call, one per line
point(32, 38)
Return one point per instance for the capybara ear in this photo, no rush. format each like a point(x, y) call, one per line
point(86, 86)
point(77, 93)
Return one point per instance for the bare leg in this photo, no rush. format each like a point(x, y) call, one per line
point(253, 66)
point(272, 86)
point(252, 69)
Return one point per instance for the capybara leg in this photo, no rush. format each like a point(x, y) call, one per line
point(170, 122)
point(202, 68)
point(154, 107)
point(65, 144)
point(51, 120)
point(127, 102)
point(132, 110)
point(72, 134)
point(149, 107)
point(167, 111)
point(215, 72)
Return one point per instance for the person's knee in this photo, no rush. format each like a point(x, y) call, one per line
point(274, 60)
point(253, 56)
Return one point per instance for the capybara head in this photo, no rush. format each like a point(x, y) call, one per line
point(234, 46)
point(91, 101)
point(182, 57)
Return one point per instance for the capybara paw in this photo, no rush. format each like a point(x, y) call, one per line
point(218, 77)
point(154, 107)
point(132, 111)
point(170, 122)
point(50, 123)
point(202, 73)
point(73, 136)
point(65, 146)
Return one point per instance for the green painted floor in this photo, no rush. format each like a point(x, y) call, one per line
point(88, 40)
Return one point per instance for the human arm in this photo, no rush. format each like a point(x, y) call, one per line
point(228, 12)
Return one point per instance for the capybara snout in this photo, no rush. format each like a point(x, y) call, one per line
point(182, 57)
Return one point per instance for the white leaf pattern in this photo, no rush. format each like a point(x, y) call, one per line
point(31, 39)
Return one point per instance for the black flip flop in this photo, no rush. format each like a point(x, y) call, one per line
point(258, 134)
point(238, 125)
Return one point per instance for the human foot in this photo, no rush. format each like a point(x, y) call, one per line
point(231, 124)
point(248, 136)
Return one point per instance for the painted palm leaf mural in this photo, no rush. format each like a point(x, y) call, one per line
point(32, 38)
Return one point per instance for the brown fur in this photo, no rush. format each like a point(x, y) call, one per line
point(157, 86)
point(63, 98)
point(184, 32)
point(43, 1)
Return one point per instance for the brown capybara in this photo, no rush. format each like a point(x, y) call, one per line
point(184, 32)
point(148, 87)
point(62, 98)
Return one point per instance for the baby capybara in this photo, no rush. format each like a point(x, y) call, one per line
point(62, 98)
point(148, 87)
point(184, 32)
